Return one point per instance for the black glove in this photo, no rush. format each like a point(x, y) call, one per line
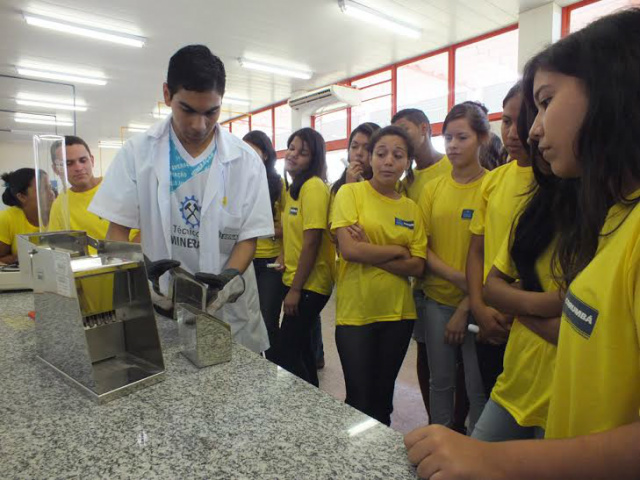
point(217, 282)
point(158, 268)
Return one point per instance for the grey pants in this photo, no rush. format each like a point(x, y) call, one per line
point(442, 362)
point(496, 424)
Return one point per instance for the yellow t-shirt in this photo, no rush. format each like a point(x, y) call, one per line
point(80, 217)
point(524, 386)
point(270, 247)
point(596, 385)
point(367, 294)
point(422, 177)
point(504, 192)
point(448, 207)
point(14, 222)
point(309, 212)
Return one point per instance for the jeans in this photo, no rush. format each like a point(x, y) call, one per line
point(316, 339)
point(442, 359)
point(296, 353)
point(270, 289)
point(497, 425)
point(371, 357)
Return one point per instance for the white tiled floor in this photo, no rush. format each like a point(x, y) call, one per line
point(409, 411)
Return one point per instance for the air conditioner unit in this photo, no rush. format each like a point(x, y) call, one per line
point(312, 101)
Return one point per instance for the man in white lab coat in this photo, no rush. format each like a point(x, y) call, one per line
point(198, 194)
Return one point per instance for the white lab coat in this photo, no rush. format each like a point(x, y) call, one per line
point(135, 193)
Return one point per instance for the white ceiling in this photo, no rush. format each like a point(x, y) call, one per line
point(313, 34)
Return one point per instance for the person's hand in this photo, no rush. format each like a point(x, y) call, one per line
point(155, 269)
point(456, 328)
point(494, 326)
point(354, 172)
point(442, 454)
point(280, 262)
point(357, 233)
point(291, 302)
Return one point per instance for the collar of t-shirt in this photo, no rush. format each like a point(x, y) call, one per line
point(183, 166)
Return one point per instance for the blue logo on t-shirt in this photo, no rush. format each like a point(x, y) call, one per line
point(181, 171)
point(467, 214)
point(293, 211)
point(190, 210)
point(404, 223)
point(581, 316)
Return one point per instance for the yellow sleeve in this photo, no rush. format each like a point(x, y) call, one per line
point(314, 203)
point(425, 203)
point(418, 247)
point(344, 210)
point(503, 260)
point(6, 230)
point(478, 221)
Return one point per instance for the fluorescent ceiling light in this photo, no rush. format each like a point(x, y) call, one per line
point(136, 127)
point(236, 101)
point(114, 144)
point(76, 27)
point(367, 14)
point(50, 72)
point(30, 100)
point(264, 67)
point(41, 120)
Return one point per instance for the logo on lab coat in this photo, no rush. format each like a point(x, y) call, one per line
point(190, 210)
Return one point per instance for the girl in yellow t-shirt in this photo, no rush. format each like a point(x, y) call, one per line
point(504, 191)
point(308, 257)
point(20, 195)
point(519, 400)
point(585, 87)
point(268, 249)
point(448, 204)
point(382, 242)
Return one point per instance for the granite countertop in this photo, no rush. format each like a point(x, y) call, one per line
point(246, 419)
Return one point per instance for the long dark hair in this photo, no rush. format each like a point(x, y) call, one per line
point(539, 222)
point(16, 182)
point(318, 163)
point(493, 154)
point(262, 142)
point(605, 57)
point(368, 129)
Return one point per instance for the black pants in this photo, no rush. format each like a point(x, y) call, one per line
point(296, 351)
point(270, 294)
point(490, 358)
point(371, 357)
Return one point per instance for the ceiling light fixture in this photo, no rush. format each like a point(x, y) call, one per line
point(20, 117)
point(30, 100)
point(51, 72)
point(368, 14)
point(113, 144)
point(278, 70)
point(81, 28)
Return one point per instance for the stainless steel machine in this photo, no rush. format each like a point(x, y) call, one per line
point(95, 323)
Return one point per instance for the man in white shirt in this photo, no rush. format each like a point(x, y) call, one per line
point(198, 194)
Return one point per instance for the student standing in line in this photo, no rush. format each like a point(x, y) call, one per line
point(448, 204)
point(20, 195)
point(358, 157)
point(504, 191)
point(382, 243)
point(520, 399)
point(308, 257)
point(268, 249)
point(587, 98)
point(430, 164)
